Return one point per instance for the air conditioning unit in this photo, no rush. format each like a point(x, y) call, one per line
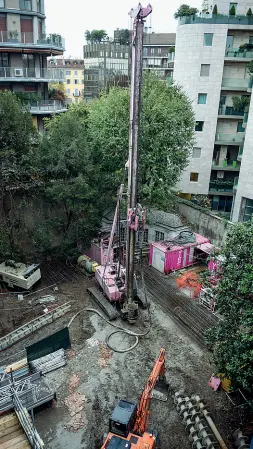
point(18, 72)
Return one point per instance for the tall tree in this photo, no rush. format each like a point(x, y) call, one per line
point(167, 124)
point(185, 10)
point(124, 36)
point(96, 36)
point(232, 339)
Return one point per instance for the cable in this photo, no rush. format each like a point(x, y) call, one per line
point(120, 330)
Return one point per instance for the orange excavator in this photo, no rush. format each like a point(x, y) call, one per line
point(128, 426)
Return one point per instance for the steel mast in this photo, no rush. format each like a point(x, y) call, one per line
point(139, 14)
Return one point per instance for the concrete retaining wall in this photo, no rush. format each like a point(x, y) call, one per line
point(205, 223)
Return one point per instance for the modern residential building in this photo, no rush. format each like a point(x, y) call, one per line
point(24, 47)
point(158, 53)
point(74, 76)
point(108, 63)
point(211, 63)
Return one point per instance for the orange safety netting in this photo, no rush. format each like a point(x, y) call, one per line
point(190, 280)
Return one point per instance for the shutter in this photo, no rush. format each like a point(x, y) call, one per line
point(3, 22)
point(26, 30)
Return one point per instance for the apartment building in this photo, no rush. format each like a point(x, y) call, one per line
point(74, 76)
point(158, 53)
point(211, 63)
point(24, 48)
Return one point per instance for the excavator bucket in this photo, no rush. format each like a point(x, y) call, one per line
point(161, 391)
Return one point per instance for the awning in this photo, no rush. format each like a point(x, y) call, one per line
point(206, 248)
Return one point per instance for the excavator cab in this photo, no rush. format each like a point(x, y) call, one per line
point(123, 418)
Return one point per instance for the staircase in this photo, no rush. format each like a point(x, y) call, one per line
point(12, 435)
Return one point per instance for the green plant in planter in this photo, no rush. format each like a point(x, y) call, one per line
point(56, 39)
point(249, 13)
point(171, 50)
point(241, 103)
point(185, 10)
point(215, 10)
point(232, 10)
point(13, 34)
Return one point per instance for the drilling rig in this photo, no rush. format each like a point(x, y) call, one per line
point(118, 283)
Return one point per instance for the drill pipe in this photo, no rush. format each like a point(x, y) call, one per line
point(200, 425)
point(240, 439)
point(187, 421)
point(203, 410)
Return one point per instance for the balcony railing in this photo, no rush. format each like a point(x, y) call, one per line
point(20, 73)
point(230, 138)
point(238, 53)
point(221, 186)
point(217, 18)
point(235, 183)
point(224, 164)
point(240, 152)
point(46, 106)
point(235, 83)
point(229, 110)
point(29, 38)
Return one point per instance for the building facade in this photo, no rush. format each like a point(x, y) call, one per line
point(158, 53)
point(24, 48)
point(74, 76)
point(213, 70)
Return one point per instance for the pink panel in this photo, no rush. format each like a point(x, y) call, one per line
point(94, 253)
point(151, 254)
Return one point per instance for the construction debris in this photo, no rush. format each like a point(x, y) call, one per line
point(105, 355)
point(49, 362)
point(74, 402)
point(46, 299)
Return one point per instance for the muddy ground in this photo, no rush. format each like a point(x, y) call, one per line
point(101, 377)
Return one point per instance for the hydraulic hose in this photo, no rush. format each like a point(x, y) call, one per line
point(120, 330)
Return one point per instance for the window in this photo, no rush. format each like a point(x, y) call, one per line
point(2, 5)
point(83, 72)
point(126, 55)
point(240, 128)
point(202, 98)
point(76, 92)
point(25, 4)
point(230, 40)
point(76, 81)
point(251, 40)
point(231, 5)
point(68, 81)
point(39, 6)
point(246, 209)
point(194, 177)
point(76, 72)
point(208, 39)
point(159, 51)
point(199, 126)
point(152, 51)
point(76, 100)
point(205, 69)
point(145, 51)
point(68, 72)
point(159, 236)
point(196, 152)
point(68, 91)
point(144, 236)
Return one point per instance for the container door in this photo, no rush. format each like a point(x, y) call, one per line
point(185, 257)
point(158, 259)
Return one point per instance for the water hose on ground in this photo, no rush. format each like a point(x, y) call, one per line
point(120, 330)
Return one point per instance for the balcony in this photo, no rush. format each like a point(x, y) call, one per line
point(235, 184)
point(229, 112)
point(237, 54)
point(47, 107)
point(221, 187)
point(240, 153)
point(229, 139)
point(29, 39)
point(35, 74)
point(240, 84)
point(217, 19)
point(225, 165)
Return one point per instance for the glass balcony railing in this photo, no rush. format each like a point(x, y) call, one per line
point(225, 164)
point(221, 185)
point(46, 106)
point(27, 73)
point(235, 83)
point(245, 117)
point(229, 110)
point(230, 138)
point(235, 183)
point(29, 38)
point(250, 83)
point(238, 53)
point(216, 18)
point(240, 152)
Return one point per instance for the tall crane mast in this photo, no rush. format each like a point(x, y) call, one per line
point(139, 14)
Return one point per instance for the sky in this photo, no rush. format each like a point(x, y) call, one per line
point(71, 18)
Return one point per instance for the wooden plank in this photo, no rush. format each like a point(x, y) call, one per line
point(9, 421)
point(23, 445)
point(6, 417)
point(13, 435)
point(8, 430)
point(16, 366)
point(12, 443)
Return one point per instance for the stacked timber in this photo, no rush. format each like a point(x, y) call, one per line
point(19, 369)
point(12, 435)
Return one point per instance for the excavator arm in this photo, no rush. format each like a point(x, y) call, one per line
point(157, 374)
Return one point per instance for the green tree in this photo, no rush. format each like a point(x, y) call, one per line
point(18, 172)
point(73, 177)
point(167, 123)
point(249, 12)
point(241, 103)
point(215, 10)
point(124, 37)
point(96, 36)
point(57, 91)
point(232, 339)
point(185, 10)
point(232, 11)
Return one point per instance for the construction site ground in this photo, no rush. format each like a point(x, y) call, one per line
point(89, 386)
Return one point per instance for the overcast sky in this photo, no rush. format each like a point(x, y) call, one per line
point(71, 18)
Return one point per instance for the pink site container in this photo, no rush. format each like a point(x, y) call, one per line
point(166, 260)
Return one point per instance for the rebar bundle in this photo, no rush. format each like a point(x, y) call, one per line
point(49, 362)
